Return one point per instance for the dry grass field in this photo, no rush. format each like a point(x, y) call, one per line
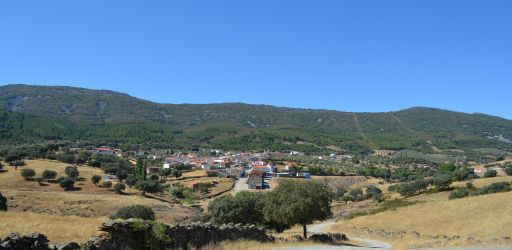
point(469, 221)
point(88, 202)
point(57, 228)
point(255, 245)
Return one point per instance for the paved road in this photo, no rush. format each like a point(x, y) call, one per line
point(321, 228)
point(240, 185)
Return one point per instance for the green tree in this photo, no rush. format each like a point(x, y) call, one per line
point(135, 212)
point(245, 208)
point(131, 180)
point(296, 202)
point(148, 186)
point(490, 173)
point(3, 203)
point(67, 183)
point(122, 175)
point(95, 179)
point(176, 173)
point(49, 175)
point(72, 172)
point(28, 173)
point(119, 188)
point(508, 170)
point(442, 182)
point(18, 163)
point(12, 157)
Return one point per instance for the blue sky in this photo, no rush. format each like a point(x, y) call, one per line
point(344, 55)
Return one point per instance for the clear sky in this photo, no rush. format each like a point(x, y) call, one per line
point(346, 55)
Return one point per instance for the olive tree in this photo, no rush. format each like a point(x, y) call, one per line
point(67, 183)
point(298, 202)
point(95, 179)
point(49, 175)
point(28, 173)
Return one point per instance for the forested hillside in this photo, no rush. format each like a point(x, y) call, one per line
point(35, 113)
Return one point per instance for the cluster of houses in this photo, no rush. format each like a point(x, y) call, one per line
point(252, 166)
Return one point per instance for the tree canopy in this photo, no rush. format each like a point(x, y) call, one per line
point(298, 202)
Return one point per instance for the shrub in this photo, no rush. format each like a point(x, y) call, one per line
point(490, 173)
point(495, 188)
point(28, 173)
point(119, 188)
point(136, 212)
point(131, 180)
point(95, 179)
point(154, 177)
point(49, 175)
point(176, 173)
point(178, 192)
point(356, 192)
point(3, 203)
point(470, 186)
point(148, 186)
point(107, 184)
point(442, 181)
point(508, 170)
point(67, 183)
point(18, 163)
point(457, 194)
point(72, 172)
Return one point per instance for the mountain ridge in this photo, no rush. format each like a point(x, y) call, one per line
point(248, 126)
point(107, 91)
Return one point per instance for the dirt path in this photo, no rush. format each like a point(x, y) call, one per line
point(323, 227)
point(240, 185)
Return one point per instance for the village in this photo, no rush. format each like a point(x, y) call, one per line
point(252, 170)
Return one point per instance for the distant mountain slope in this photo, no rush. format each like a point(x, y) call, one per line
point(113, 116)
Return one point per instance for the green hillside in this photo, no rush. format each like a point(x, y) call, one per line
point(100, 116)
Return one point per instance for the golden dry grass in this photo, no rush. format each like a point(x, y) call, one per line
point(57, 228)
point(255, 245)
point(484, 218)
point(195, 173)
point(87, 201)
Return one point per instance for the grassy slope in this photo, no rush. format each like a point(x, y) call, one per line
point(90, 202)
point(483, 218)
point(58, 229)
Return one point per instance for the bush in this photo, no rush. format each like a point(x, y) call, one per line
point(154, 177)
point(495, 188)
point(67, 183)
point(119, 188)
point(18, 163)
point(245, 208)
point(131, 180)
point(28, 173)
point(49, 175)
point(508, 170)
point(136, 212)
point(457, 194)
point(107, 184)
point(178, 192)
point(148, 186)
point(3, 203)
point(490, 173)
point(442, 182)
point(72, 172)
point(95, 179)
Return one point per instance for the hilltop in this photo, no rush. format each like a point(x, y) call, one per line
point(34, 113)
